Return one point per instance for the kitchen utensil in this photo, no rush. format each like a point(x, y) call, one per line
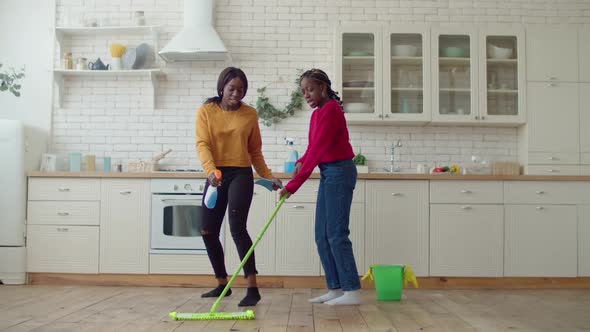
point(97, 65)
point(357, 107)
point(496, 52)
point(453, 52)
point(404, 50)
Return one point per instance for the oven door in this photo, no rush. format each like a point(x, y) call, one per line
point(176, 222)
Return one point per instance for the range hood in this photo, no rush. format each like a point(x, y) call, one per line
point(197, 40)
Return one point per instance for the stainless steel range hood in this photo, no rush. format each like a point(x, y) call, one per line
point(197, 40)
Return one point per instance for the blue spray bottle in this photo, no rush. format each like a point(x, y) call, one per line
point(211, 194)
point(293, 156)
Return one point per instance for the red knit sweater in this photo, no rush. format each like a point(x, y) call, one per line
point(328, 142)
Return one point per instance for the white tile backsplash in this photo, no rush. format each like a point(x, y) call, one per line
point(270, 41)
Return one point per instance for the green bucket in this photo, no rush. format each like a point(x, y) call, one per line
point(388, 281)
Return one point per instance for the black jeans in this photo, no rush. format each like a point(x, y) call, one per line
point(236, 190)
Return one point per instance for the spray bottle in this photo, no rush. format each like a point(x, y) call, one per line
point(293, 156)
point(211, 194)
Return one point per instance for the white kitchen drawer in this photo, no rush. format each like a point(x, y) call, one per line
point(585, 158)
point(63, 213)
point(551, 158)
point(552, 170)
point(64, 189)
point(466, 192)
point(542, 192)
point(180, 264)
point(65, 249)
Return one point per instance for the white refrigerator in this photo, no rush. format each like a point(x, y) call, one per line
point(12, 202)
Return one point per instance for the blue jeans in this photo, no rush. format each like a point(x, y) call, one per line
point(332, 219)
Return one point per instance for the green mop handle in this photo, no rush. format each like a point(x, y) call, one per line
point(248, 254)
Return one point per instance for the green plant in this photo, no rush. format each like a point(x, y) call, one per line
point(9, 80)
point(269, 114)
point(359, 159)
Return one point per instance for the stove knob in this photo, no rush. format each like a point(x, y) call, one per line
point(175, 187)
point(201, 187)
point(188, 187)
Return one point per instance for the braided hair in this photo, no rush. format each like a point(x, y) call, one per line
point(225, 77)
point(320, 76)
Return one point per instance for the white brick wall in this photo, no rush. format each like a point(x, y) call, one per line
point(269, 40)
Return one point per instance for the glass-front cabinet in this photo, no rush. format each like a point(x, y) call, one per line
point(406, 95)
point(358, 77)
point(502, 75)
point(454, 82)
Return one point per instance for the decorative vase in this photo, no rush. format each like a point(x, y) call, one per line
point(117, 64)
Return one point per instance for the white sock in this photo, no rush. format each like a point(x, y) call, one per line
point(349, 298)
point(332, 294)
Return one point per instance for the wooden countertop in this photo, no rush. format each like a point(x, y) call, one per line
point(361, 176)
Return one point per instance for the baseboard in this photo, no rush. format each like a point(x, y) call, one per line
point(170, 280)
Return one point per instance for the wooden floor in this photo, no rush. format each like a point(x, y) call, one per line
point(95, 308)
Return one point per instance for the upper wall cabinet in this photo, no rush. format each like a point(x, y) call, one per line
point(584, 52)
point(406, 62)
point(359, 73)
point(553, 53)
point(454, 84)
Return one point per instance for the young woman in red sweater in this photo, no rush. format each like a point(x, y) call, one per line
point(330, 149)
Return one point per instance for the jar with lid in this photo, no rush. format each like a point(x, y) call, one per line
point(139, 18)
point(81, 64)
point(68, 61)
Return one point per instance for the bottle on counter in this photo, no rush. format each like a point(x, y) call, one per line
point(292, 157)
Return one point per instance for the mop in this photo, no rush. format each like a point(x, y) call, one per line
point(245, 315)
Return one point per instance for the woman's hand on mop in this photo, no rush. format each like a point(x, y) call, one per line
point(276, 184)
point(284, 192)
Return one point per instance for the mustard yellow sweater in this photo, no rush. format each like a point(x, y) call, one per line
point(229, 138)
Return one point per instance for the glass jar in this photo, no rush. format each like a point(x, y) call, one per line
point(139, 18)
point(81, 64)
point(68, 61)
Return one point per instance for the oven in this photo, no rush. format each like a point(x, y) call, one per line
point(176, 216)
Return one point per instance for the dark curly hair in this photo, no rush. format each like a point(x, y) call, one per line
point(321, 77)
point(225, 76)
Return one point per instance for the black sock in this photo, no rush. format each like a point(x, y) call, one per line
point(216, 292)
point(252, 297)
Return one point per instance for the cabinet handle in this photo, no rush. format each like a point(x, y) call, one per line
point(125, 192)
point(386, 115)
point(553, 171)
point(380, 116)
point(552, 158)
point(63, 214)
point(552, 78)
point(466, 208)
point(62, 229)
point(465, 191)
point(62, 189)
point(396, 194)
point(539, 192)
point(483, 117)
point(255, 193)
point(539, 208)
point(477, 117)
point(298, 207)
point(551, 85)
point(316, 190)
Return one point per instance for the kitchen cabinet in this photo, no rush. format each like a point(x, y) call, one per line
point(406, 66)
point(454, 81)
point(584, 240)
point(466, 228)
point(541, 226)
point(466, 240)
point(68, 38)
point(553, 121)
point(584, 123)
point(63, 225)
point(359, 71)
point(396, 224)
point(553, 51)
point(502, 75)
point(125, 226)
point(263, 203)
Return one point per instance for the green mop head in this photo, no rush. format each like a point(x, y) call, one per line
point(244, 315)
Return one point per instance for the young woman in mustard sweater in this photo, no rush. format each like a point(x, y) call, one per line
point(228, 139)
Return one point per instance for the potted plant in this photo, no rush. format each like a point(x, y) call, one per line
point(9, 80)
point(360, 160)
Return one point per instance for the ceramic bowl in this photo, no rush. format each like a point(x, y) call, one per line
point(357, 107)
point(496, 52)
point(140, 57)
point(404, 50)
point(453, 52)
